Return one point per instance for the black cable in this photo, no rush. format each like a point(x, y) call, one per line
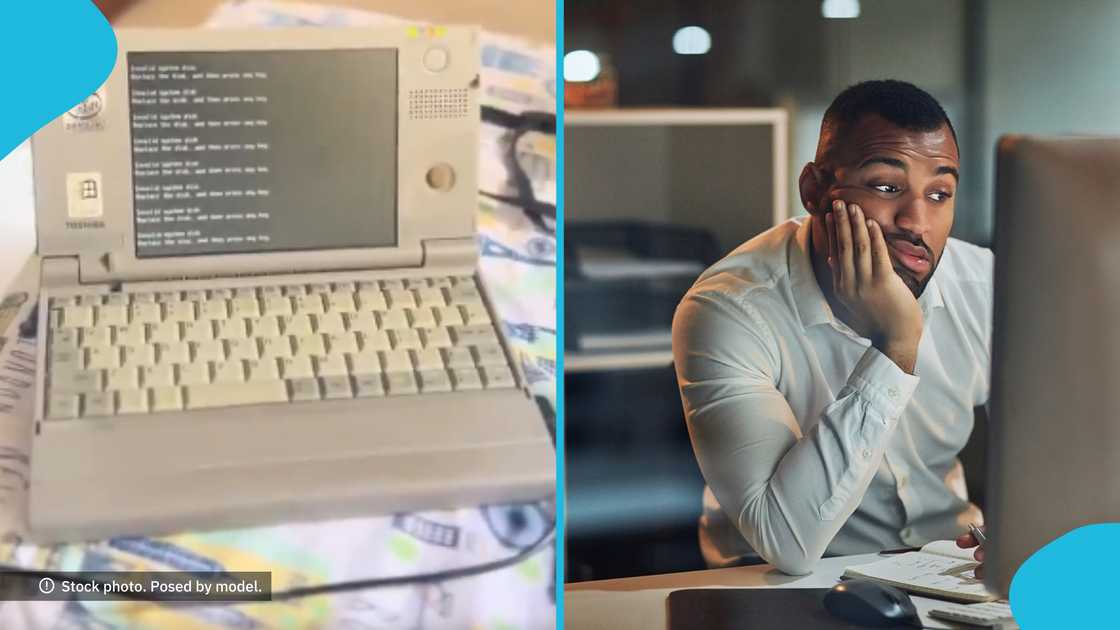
point(520, 124)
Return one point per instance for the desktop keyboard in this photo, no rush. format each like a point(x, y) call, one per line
point(140, 352)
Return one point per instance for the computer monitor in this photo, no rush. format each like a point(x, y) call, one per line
point(1054, 455)
point(723, 170)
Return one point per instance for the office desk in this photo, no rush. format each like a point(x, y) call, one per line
point(639, 603)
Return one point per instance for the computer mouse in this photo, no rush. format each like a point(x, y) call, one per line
point(871, 604)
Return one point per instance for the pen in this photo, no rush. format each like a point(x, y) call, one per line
point(981, 539)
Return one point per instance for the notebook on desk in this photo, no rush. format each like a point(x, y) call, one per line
point(941, 569)
point(260, 294)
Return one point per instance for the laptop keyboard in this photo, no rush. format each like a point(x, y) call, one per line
point(141, 352)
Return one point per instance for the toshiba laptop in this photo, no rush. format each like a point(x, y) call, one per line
point(260, 294)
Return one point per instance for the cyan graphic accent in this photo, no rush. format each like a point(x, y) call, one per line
point(1071, 582)
point(55, 54)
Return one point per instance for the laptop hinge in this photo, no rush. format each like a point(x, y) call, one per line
point(59, 271)
point(450, 252)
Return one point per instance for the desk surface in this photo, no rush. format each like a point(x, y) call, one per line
point(639, 603)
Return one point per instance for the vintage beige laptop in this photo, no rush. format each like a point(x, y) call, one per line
point(260, 294)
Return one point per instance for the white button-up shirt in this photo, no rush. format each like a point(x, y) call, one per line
point(811, 441)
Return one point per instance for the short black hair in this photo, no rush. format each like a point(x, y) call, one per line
point(901, 103)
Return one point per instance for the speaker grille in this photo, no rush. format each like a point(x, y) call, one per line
point(428, 103)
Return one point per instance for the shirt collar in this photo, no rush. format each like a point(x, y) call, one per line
point(812, 307)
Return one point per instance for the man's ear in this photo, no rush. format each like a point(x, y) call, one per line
point(813, 184)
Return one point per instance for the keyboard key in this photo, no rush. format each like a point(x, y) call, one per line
point(392, 285)
point(275, 347)
point(434, 381)
point(296, 367)
point(361, 322)
point(138, 356)
point(277, 305)
point(103, 358)
point(397, 361)
point(167, 353)
point(304, 389)
point(399, 383)
point(269, 291)
point(296, 325)
point(144, 313)
point(344, 287)
point(449, 316)
point(208, 351)
point(229, 372)
point(371, 300)
point(415, 283)
point(167, 399)
point(488, 355)
point(421, 317)
point(463, 294)
point(475, 314)
point(195, 295)
point(460, 357)
point(115, 299)
point(245, 306)
point(168, 296)
point(262, 370)
point(264, 327)
point(243, 292)
point(99, 404)
point(430, 297)
point(400, 298)
point(220, 294)
point(368, 386)
point(341, 343)
point(62, 406)
point(64, 338)
point(473, 335)
point(374, 341)
point(334, 365)
point(164, 332)
point(391, 319)
point(76, 382)
point(309, 304)
point(429, 359)
point(214, 308)
point(497, 377)
point(143, 298)
point(231, 329)
point(112, 314)
point(466, 379)
point(435, 337)
point(178, 312)
point(329, 323)
point(158, 375)
point(310, 345)
point(77, 317)
point(364, 363)
point(340, 303)
point(294, 289)
point(122, 378)
point(318, 288)
point(226, 394)
point(67, 359)
point(405, 339)
point(198, 331)
point(336, 387)
point(131, 335)
point(132, 401)
point(241, 349)
point(440, 282)
point(193, 373)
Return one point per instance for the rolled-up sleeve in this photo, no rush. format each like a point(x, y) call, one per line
point(788, 493)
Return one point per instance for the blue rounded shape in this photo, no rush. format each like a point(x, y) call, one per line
point(1071, 582)
point(52, 56)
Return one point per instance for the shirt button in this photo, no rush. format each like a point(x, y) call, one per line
point(892, 391)
point(867, 453)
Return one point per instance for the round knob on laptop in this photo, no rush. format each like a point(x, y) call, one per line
point(441, 177)
point(436, 59)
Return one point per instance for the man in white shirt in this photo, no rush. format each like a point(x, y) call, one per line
point(829, 367)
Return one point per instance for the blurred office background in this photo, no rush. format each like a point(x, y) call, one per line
point(654, 195)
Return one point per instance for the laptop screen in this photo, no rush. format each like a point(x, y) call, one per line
point(263, 151)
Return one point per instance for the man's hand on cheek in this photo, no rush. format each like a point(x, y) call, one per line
point(865, 283)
